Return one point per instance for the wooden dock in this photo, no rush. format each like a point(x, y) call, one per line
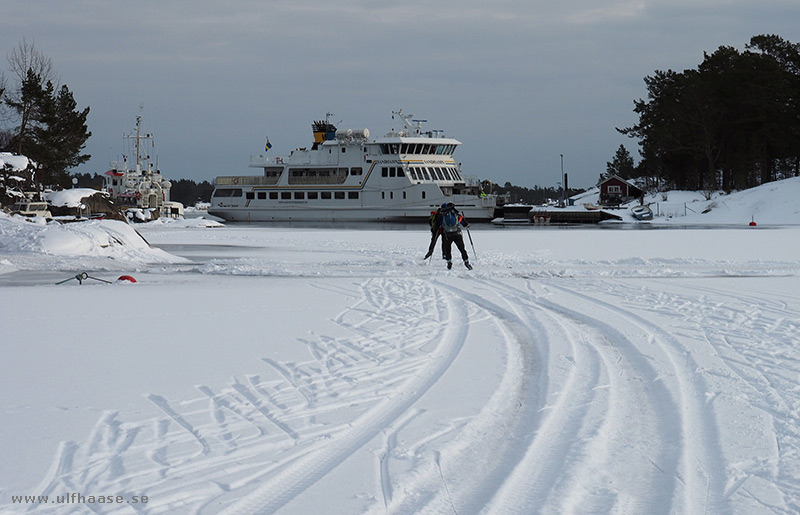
point(561, 216)
point(531, 215)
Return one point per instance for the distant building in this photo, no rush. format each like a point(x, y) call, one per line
point(615, 191)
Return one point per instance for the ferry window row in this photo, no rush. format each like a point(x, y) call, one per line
point(228, 192)
point(392, 171)
point(391, 195)
point(301, 195)
point(324, 172)
point(417, 148)
point(435, 173)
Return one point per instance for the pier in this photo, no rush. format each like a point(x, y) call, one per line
point(531, 215)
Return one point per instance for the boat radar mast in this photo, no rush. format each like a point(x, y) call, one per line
point(414, 126)
point(138, 138)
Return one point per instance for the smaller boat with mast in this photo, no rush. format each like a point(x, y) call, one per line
point(142, 189)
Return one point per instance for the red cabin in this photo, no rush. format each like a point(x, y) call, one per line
point(615, 191)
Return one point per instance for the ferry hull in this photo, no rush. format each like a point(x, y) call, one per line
point(474, 212)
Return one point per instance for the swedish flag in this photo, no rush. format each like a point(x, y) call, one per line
point(267, 145)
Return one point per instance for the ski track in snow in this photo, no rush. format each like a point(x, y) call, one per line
point(266, 438)
point(607, 403)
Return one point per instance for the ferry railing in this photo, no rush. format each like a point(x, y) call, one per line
point(333, 179)
point(262, 160)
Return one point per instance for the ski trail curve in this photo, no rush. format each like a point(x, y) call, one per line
point(305, 471)
point(687, 427)
point(738, 345)
point(470, 465)
point(600, 411)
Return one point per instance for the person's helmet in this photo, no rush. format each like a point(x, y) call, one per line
point(444, 206)
point(450, 204)
point(433, 212)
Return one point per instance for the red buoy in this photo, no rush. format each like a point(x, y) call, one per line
point(126, 278)
point(753, 223)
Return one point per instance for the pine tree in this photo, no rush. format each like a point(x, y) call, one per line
point(732, 122)
point(28, 106)
point(51, 131)
point(622, 165)
point(62, 136)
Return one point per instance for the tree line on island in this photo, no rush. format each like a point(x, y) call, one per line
point(733, 122)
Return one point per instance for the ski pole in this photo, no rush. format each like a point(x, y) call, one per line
point(431, 248)
point(471, 244)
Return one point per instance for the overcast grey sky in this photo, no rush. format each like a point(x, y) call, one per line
point(519, 83)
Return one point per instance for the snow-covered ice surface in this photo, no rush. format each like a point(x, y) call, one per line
point(261, 369)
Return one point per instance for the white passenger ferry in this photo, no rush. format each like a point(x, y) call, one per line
point(347, 176)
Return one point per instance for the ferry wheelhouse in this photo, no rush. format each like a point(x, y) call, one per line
point(345, 175)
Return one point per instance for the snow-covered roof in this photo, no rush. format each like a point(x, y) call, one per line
point(16, 162)
point(69, 198)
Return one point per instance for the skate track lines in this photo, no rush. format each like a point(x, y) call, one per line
point(599, 408)
point(265, 438)
point(601, 423)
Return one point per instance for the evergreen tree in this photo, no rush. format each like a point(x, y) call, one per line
point(61, 137)
point(51, 131)
point(46, 125)
point(188, 192)
point(622, 164)
point(534, 196)
point(5, 135)
point(28, 106)
point(86, 180)
point(732, 122)
point(203, 192)
point(787, 57)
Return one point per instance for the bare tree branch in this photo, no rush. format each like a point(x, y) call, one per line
point(25, 56)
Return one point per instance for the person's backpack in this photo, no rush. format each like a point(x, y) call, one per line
point(450, 221)
point(432, 219)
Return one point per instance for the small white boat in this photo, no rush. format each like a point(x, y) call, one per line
point(642, 212)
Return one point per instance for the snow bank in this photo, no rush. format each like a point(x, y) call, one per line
point(774, 203)
point(185, 222)
point(25, 243)
point(70, 198)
